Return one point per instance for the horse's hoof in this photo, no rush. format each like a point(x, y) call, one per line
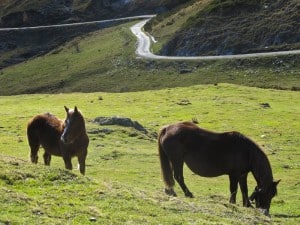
point(189, 195)
point(249, 205)
point(170, 192)
point(232, 201)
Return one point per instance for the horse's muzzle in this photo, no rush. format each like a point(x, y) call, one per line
point(265, 212)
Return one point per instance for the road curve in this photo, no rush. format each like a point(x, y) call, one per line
point(144, 44)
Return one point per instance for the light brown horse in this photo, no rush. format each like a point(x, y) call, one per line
point(211, 154)
point(60, 138)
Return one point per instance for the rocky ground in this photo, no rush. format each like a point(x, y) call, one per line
point(232, 27)
point(14, 13)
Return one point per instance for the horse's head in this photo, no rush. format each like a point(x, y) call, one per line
point(73, 127)
point(263, 197)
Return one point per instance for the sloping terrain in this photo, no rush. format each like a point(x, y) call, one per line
point(234, 26)
point(105, 60)
point(15, 13)
point(18, 46)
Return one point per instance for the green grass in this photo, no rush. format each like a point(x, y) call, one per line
point(164, 26)
point(123, 184)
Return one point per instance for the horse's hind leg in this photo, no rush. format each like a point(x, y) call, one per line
point(233, 188)
point(34, 148)
point(178, 175)
point(47, 158)
point(34, 144)
point(244, 190)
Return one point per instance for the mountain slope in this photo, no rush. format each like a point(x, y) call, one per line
point(15, 13)
point(105, 61)
point(18, 46)
point(236, 26)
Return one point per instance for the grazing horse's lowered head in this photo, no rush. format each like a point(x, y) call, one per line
point(263, 197)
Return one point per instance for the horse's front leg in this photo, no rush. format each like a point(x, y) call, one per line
point(67, 160)
point(81, 161)
point(244, 190)
point(47, 158)
point(233, 188)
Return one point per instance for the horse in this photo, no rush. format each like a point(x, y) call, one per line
point(211, 154)
point(66, 139)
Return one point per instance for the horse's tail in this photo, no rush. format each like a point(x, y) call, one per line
point(165, 164)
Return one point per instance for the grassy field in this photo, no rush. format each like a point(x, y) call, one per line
point(123, 184)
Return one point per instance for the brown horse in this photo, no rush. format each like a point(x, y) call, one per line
point(60, 138)
point(210, 154)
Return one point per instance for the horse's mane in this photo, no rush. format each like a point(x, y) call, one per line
point(260, 164)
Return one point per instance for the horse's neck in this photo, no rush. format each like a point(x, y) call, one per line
point(83, 129)
point(261, 169)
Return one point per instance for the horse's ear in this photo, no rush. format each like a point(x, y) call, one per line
point(276, 182)
point(254, 194)
point(67, 109)
point(75, 109)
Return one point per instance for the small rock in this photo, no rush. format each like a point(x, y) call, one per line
point(286, 167)
point(265, 105)
point(121, 121)
point(184, 102)
point(185, 70)
point(93, 219)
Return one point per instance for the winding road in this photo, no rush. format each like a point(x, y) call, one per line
point(144, 41)
point(144, 45)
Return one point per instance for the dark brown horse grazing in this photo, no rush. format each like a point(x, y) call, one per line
point(60, 138)
point(210, 154)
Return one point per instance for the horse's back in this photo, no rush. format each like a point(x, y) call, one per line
point(44, 122)
point(186, 132)
point(45, 129)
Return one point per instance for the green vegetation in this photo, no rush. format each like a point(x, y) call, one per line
point(105, 61)
point(164, 26)
point(123, 184)
point(100, 73)
point(13, 6)
point(231, 4)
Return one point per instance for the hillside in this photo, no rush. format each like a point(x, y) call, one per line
point(230, 27)
point(16, 13)
point(105, 60)
point(18, 46)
